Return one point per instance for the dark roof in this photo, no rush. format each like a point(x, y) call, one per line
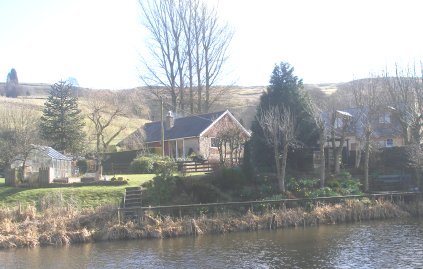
point(191, 126)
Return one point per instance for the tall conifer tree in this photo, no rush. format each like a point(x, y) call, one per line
point(62, 123)
point(284, 91)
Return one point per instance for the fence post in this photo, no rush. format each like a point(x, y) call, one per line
point(118, 216)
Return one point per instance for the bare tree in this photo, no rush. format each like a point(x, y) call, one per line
point(230, 140)
point(318, 117)
point(104, 112)
point(189, 16)
point(406, 98)
point(162, 69)
point(187, 40)
point(339, 121)
point(278, 128)
point(366, 96)
point(18, 133)
point(215, 39)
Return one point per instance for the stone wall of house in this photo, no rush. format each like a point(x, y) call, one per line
point(208, 152)
point(223, 124)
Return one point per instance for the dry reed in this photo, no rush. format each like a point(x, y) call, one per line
point(59, 224)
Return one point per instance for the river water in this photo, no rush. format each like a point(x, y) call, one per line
point(377, 244)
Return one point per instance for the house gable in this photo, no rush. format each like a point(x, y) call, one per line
point(228, 117)
point(221, 122)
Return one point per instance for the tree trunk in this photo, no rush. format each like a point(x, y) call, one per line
point(358, 155)
point(337, 160)
point(199, 87)
point(418, 175)
point(322, 160)
point(366, 163)
point(283, 168)
point(278, 169)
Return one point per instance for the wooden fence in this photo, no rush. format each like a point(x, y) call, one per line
point(189, 167)
point(260, 206)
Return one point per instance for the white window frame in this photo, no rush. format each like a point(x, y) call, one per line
point(211, 142)
point(385, 118)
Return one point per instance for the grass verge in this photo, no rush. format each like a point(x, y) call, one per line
point(84, 197)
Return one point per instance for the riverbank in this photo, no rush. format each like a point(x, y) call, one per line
point(60, 225)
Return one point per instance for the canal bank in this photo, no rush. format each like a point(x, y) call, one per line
point(394, 243)
point(64, 225)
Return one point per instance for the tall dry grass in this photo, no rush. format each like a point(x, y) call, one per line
point(58, 222)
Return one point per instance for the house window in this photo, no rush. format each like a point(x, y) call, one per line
point(385, 118)
point(389, 142)
point(338, 123)
point(214, 142)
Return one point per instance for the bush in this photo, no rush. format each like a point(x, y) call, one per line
point(345, 184)
point(204, 192)
point(161, 189)
point(164, 166)
point(153, 164)
point(333, 183)
point(82, 166)
point(302, 187)
point(323, 192)
point(142, 165)
point(229, 178)
point(350, 187)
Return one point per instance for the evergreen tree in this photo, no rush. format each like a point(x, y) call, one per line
point(285, 91)
point(62, 123)
point(12, 88)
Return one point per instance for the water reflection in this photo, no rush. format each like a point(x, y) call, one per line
point(387, 244)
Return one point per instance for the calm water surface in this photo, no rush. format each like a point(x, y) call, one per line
point(378, 244)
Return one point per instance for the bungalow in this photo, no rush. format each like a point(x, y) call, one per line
point(212, 136)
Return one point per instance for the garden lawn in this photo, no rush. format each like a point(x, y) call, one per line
point(84, 197)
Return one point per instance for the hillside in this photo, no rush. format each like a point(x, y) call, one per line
point(242, 101)
point(36, 104)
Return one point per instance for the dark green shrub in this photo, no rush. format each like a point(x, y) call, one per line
point(302, 187)
point(153, 164)
point(204, 192)
point(142, 165)
point(344, 184)
point(323, 192)
point(161, 190)
point(344, 175)
point(82, 166)
point(333, 183)
point(247, 193)
point(229, 178)
point(164, 166)
point(350, 187)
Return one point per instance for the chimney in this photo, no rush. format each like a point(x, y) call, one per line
point(169, 120)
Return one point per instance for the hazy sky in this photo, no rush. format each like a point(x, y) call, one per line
point(100, 42)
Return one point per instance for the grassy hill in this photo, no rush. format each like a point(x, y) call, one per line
point(36, 104)
point(242, 101)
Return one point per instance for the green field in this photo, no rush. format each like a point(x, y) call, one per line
point(86, 197)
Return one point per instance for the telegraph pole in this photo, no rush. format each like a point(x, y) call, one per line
point(162, 125)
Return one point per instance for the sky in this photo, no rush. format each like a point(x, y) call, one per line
point(100, 43)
